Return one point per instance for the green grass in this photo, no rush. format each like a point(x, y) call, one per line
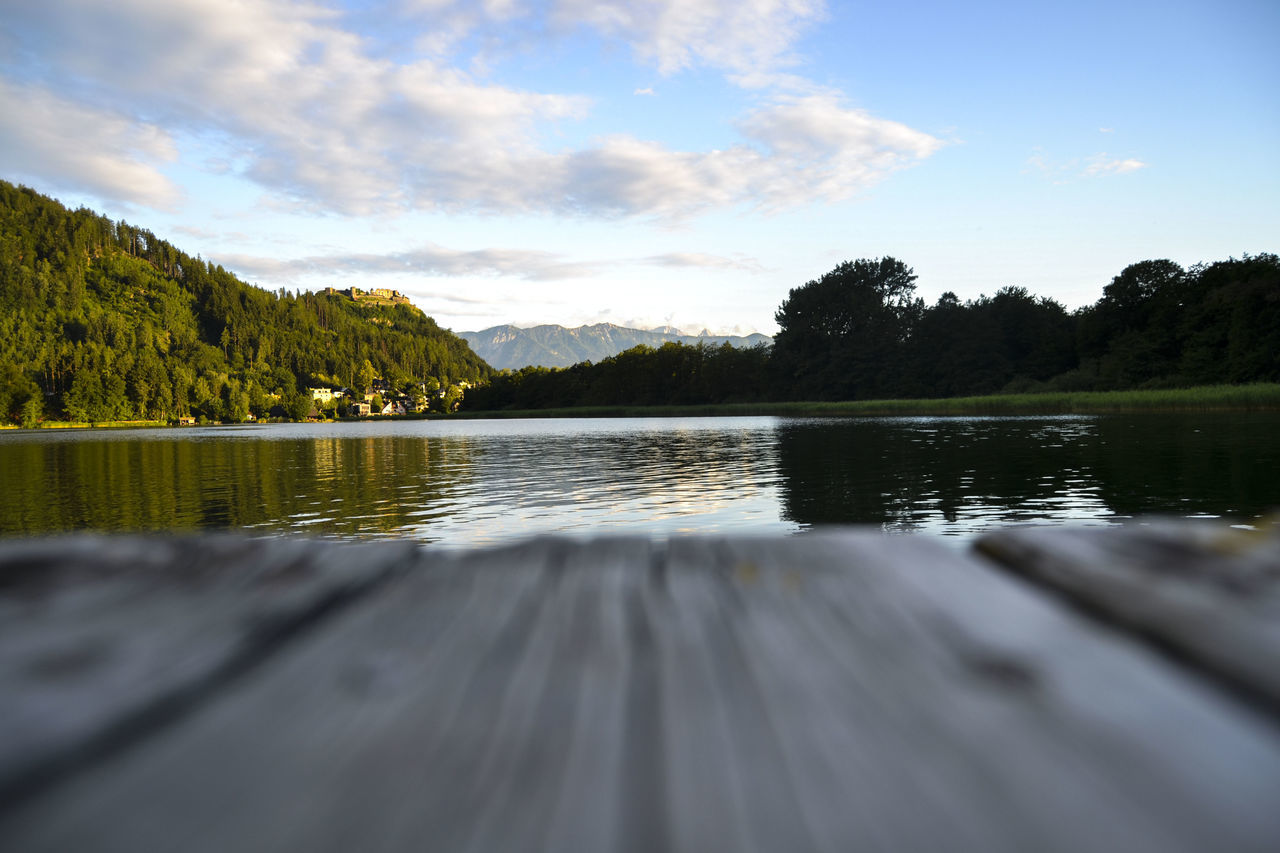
point(1208, 398)
point(99, 425)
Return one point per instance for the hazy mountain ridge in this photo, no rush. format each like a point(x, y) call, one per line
point(511, 347)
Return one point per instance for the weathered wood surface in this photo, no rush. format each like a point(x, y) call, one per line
point(102, 637)
point(824, 692)
point(1208, 594)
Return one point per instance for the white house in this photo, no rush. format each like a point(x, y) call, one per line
point(325, 395)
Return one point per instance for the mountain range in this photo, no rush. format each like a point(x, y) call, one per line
point(557, 346)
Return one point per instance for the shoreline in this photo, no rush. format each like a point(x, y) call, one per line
point(1259, 397)
point(1254, 397)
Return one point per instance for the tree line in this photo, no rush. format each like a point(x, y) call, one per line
point(860, 332)
point(672, 374)
point(102, 321)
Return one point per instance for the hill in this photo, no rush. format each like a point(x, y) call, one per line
point(103, 321)
point(557, 346)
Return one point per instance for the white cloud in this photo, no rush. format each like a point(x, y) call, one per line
point(45, 136)
point(306, 110)
point(805, 149)
point(303, 106)
point(703, 260)
point(430, 260)
point(742, 36)
point(825, 150)
point(1101, 164)
point(645, 91)
point(1089, 167)
point(737, 35)
point(434, 260)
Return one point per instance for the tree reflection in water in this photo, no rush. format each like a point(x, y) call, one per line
point(962, 475)
point(476, 482)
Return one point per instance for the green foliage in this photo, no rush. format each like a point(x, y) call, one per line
point(1010, 341)
point(297, 404)
point(859, 333)
point(673, 374)
point(101, 321)
point(846, 335)
point(32, 411)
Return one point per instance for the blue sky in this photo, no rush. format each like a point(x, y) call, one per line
point(680, 162)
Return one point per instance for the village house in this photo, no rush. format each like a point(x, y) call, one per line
point(327, 395)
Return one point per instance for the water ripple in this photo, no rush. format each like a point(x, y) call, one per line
point(472, 482)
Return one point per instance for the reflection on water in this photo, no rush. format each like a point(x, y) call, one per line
point(964, 475)
point(469, 482)
point(460, 482)
point(942, 474)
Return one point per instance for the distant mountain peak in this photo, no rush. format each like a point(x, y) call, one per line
point(511, 347)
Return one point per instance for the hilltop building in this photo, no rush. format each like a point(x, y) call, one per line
point(377, 294)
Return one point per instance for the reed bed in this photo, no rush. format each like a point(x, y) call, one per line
point(1207, 398)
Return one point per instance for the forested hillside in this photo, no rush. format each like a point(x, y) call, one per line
point(860, 333)
point(102, 321)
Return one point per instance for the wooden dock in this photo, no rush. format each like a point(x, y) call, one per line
point(1073, 690)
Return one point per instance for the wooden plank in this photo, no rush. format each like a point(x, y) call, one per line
point(918, 702)
point(1208, 595)
point(103, 638)
point(814, 693)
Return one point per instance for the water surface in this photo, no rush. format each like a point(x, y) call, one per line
point(474, 482)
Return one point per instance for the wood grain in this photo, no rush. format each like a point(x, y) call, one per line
point(822, 692)
point(103, 638)
point(1208, 595)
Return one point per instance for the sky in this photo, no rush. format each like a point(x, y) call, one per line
point(654, 162)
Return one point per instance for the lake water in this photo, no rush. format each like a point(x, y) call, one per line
point(468, 482)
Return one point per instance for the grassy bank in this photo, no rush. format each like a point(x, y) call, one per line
point(101, 425)
point(1208, 398)
point(1226, 398)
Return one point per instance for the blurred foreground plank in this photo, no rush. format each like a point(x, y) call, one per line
point(101, 637)
point(835, 691)
point(1207, 594)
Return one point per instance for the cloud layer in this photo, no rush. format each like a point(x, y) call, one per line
point(434, 260)
point(44, 135)
point(299, 102)
point(735, 35)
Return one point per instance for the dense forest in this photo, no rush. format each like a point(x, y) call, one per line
point(101, 321)
point(860, 332)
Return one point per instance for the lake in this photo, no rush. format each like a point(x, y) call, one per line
point(469, 482)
